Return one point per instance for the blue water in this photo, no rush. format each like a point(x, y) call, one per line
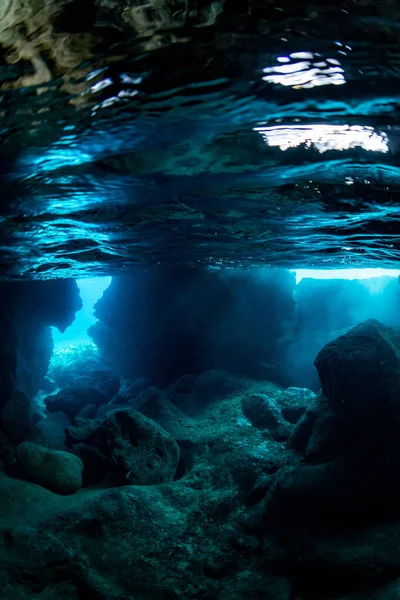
point(90, 291)
point(263, 137)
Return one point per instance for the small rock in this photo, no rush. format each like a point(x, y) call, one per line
point(59, 472)
point(50, 431)
point(71, 400)
point(293, 402)
point(17, 416)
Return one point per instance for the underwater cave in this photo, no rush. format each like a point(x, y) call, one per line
point(199, 300)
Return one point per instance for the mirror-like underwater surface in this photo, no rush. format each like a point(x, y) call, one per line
point(198, 133)
point(199, 300)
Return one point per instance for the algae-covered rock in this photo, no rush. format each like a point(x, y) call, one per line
point(293, 402)
point(60, 472)
point(360, 375)
point(139, 451)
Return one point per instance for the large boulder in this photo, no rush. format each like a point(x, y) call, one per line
point(59, 472)
point(360, 375)
point(17, 416)
point(71, 400)
point(138, 450)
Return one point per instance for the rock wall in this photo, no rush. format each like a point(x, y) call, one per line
point(171, 323)
point(27, 310)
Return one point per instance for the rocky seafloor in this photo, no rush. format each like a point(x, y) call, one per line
point(214, 487)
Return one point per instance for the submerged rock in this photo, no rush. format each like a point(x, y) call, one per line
point(105, 409)
point(155, 405)
point(139, 451)
point(71, 400)
point(82, 431)
point(17, 416)
point(360, 375)
point(59, 472)
point(293, 402)
point(264, 412)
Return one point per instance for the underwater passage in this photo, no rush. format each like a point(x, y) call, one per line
point(217, 434)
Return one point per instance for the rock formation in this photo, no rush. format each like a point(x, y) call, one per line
point(215, 486)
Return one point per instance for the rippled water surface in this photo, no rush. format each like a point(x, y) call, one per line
point(225, 133)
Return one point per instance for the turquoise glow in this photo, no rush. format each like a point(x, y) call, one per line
point(90, 291)
point(344, 273)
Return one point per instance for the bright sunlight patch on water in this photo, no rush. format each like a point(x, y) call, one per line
point(324, 137)
point(303, 70)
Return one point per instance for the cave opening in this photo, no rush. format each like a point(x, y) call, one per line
point(90, 291)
